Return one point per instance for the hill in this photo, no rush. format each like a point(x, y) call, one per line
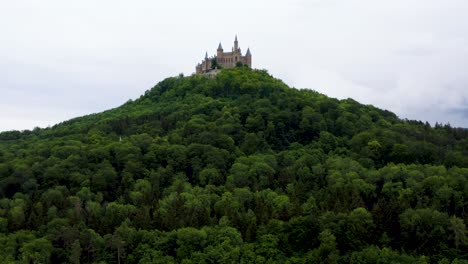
point(239, 168)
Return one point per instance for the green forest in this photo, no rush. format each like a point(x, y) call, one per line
point(236, 168)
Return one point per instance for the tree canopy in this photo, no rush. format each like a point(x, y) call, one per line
point(239, 168)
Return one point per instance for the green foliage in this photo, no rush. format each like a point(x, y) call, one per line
point(238, 168)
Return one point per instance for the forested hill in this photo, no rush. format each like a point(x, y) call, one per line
point(239, 168)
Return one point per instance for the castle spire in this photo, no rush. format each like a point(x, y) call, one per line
point(236, 44)
point(206, 55)
point(220, 47)
point(248, 52)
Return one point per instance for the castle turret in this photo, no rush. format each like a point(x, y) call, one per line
point(248, 58)
point(236, 44)
point(220, 50)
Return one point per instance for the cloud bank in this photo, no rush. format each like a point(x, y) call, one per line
point(60, 60)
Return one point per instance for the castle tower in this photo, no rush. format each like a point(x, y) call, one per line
point(248, 58)
point(207, 63)
point(236, 44)
point(220, 50)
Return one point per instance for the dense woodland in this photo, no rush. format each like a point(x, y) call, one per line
point(238, 168)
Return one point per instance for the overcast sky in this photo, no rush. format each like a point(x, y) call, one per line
point(63, 59)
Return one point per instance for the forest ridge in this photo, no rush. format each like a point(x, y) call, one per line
point(235, 168)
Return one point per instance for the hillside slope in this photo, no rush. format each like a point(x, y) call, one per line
point(238, 168)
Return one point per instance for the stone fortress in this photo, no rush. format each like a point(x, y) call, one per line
point(224, 60)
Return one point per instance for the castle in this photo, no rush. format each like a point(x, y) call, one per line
point(224, 59)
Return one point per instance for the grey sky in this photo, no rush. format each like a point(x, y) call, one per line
point(62, 59)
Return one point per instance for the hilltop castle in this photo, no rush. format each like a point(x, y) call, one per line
point(224, 59)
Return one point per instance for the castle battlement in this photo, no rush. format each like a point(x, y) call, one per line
point(224, 59)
